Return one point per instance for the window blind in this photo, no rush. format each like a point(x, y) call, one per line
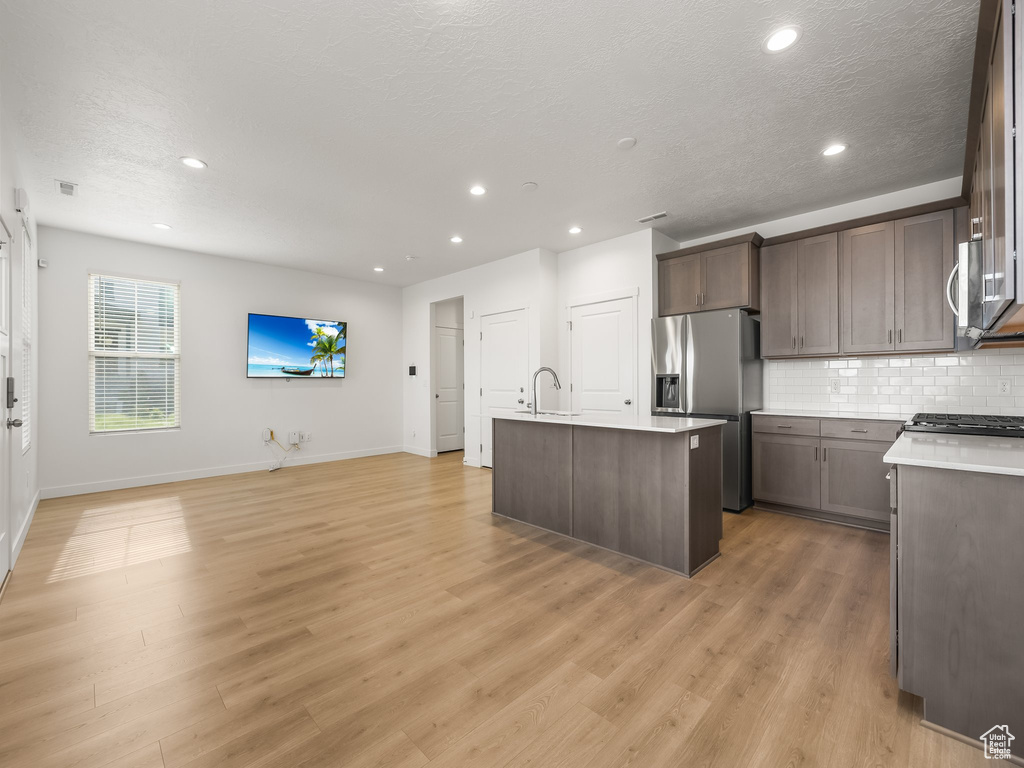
point(134, 354)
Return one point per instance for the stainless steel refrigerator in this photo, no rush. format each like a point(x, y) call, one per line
point(708, 364)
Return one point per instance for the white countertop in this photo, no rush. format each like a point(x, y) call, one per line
point(970, 453)
point(639, 423)
point(831, 414)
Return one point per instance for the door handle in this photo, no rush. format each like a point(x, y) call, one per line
point(13, 423)
point(436, 395)
point(520, 401)
point(949, 289)
point(979, 234)
point(627, 401)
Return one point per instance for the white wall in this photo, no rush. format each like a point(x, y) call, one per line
point(222, 412)
point(24, 480)
point(520, 281)
point(623, 266)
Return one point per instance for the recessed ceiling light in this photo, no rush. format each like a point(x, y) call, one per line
point(159, 225)
point(193, 162)
point(833, 149)
point(627, 143)
point(574, 230)
point(529, 186)
point(378, 269)
point(456, 239)
point(410, 257)
point(780, 39)
point(477, 190)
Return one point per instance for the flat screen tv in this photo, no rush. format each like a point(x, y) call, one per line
point(296, 348)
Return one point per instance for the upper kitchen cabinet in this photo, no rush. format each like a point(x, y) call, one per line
point(713, 276)
point(679, 285)
point(924, 258)
point(800, 297)
point(869, 293)
point(894, 285)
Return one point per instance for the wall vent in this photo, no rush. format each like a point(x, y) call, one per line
point(67, 188)
point(652, 217)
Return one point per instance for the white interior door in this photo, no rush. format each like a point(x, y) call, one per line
point(5, 413)
point(602, 340)
point(449, 392)
point(504, 369)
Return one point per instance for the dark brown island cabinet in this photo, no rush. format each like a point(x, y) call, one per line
point(956, 574)
point(647, 487)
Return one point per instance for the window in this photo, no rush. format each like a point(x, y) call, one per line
point(27, 270)
point(134, 354)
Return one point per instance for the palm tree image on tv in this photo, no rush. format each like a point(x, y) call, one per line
point(294, 347)
point(325, 348)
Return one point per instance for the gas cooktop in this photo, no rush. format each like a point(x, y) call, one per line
point(967, 424)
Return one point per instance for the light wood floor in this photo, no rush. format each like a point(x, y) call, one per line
point(372, 613)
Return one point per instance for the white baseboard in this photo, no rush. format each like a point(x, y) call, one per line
point(471, 462)
point(196, 474)
point(420, 452)
point(19, 539)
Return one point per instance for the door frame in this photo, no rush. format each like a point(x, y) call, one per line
point(631, 293)
point(432, 379)
point(6, 456)
point(482, 423)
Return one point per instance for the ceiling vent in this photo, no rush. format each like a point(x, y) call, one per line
point(652, 217)
point(67, 188)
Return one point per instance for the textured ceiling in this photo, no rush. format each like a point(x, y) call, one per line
point(343, 135)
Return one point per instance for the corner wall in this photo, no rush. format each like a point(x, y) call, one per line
point(222, 412)
point(520, 281)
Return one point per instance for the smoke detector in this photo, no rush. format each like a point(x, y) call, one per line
point(21, 201)
point(652, 217)
point(66, 188)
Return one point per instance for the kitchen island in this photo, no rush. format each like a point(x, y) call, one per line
point(649, 487)
point(956, 604)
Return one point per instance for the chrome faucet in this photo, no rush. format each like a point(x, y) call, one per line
point(533, 404)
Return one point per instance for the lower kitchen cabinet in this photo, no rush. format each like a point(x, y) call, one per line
point(786, 469)
point(831, 469)
point(853, 478)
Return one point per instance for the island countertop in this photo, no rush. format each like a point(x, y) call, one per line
point(968, 453)
point(637, 423)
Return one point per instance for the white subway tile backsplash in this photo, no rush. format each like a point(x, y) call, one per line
point(900, 386)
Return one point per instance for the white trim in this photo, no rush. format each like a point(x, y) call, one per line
point(425, 452)
point(196, 474)
point(19, 540)
point(598, 298)
point(471, 462)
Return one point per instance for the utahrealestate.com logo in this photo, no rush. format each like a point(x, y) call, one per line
point(997, 742)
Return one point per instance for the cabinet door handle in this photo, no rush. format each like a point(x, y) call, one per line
point(890, 336)
point(824, 454)
point(801, 342)
point(784, 426)
point(794, 342)
point(815, 453)
point(899, 336)
point(859, 430)
point(979, 234)
point(696, 298)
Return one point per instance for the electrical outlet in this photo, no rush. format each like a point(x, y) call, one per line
point(833, 386)
point(694, 441)
point(306, 437)
point(293, 437)
point(1004, 386)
